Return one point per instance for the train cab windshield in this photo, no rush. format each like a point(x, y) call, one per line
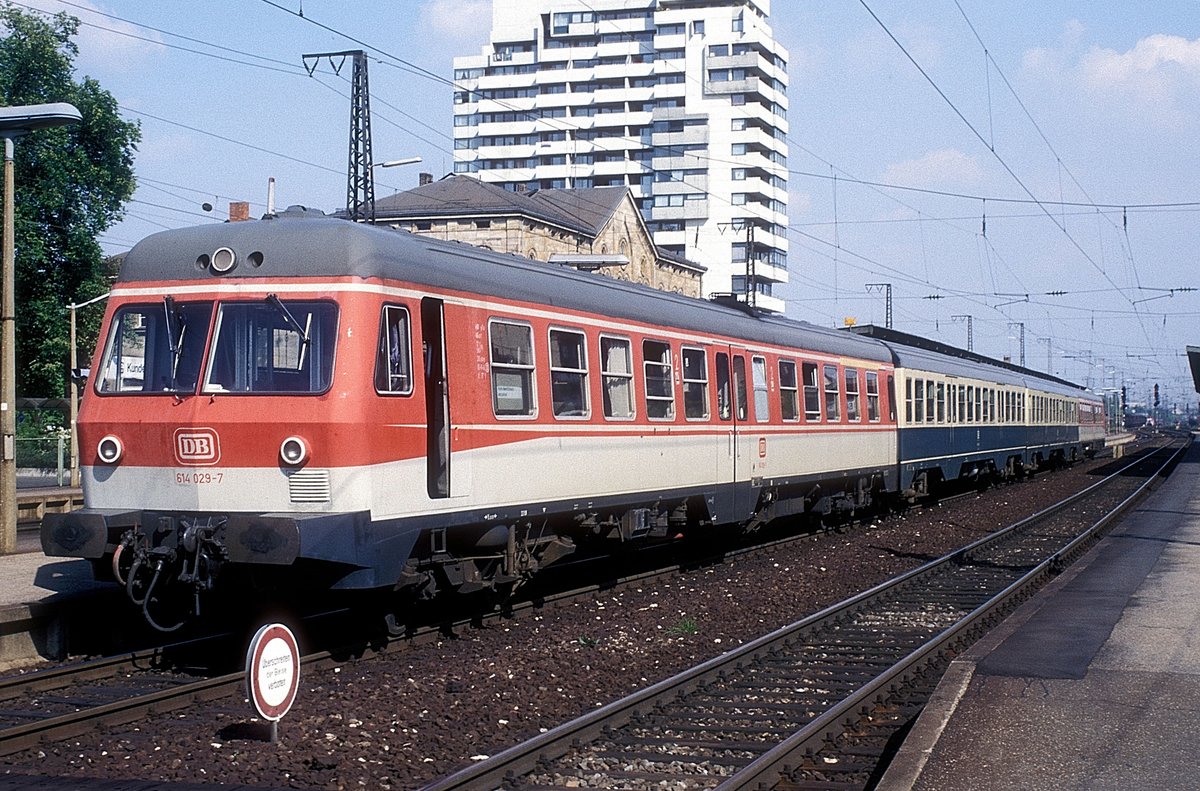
point(273, 346)
point(155, 348)
point(267, 346)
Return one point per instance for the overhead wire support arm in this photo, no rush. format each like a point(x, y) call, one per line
point(360, 180)
point(970, 329)
point(887, 289)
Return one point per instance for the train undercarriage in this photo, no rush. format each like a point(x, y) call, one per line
point(176, 568)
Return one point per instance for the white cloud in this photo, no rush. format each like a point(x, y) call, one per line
point(943, 166)
point(1159, 75)
point(105, 43)
point(465, 22)
point(1157, 67)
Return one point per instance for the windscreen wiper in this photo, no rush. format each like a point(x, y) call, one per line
point(176, 324)
point(290, 320)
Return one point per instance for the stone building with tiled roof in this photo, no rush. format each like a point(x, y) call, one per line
point(597, 229)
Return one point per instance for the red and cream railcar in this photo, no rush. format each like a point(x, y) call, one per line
point(340, 406)
point(1093, 424)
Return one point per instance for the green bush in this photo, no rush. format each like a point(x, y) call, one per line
point(38, 432)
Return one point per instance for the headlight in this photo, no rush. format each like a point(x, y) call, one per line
point(293, 451)
point(110, 449)
point(223, 260)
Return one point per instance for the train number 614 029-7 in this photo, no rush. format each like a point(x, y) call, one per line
point(195, 478)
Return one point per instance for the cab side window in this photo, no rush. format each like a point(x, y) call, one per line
point(393, 359)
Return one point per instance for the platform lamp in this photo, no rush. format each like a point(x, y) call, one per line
point(15, 122)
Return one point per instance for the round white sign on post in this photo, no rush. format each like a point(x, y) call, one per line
point(273, 671)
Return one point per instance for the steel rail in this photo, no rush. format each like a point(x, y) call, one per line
point(769, 768)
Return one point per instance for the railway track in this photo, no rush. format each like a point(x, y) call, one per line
point(60, 703)
point(815, 705)
point(63, 702)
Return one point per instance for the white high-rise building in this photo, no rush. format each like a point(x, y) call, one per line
point(683, 101)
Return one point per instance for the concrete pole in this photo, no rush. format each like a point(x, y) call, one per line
point(8, 369)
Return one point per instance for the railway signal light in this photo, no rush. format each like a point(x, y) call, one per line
point(1156, 395)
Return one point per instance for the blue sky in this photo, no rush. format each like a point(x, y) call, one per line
point(1084, 103)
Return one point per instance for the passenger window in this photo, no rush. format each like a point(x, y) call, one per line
point(568, 374)
point(789, 393)
point(853, 411)
point(660, 391)
point(512, 369)
point(891, 390)
point(832, 394)
point(812, 392)
point(695, 384)
point(616, 360)
point(393, 361)
point(918, 400)
point(724, 401)
point(873, 396)
point(929, 401)
point(941, 402)
point(758, 373)
point(739, 386)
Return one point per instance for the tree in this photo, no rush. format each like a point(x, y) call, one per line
point(71, 185)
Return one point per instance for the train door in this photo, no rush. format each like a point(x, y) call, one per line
point(437, 399)
point(741, 434)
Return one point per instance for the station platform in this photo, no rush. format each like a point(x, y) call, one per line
point(1094, 683)
point(43, 602)
point(32, 578)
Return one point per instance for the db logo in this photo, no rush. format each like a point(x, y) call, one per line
point(197, 446)
point(762, 447)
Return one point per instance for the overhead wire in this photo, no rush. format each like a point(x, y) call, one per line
point(418, 70)
point(1003, 163)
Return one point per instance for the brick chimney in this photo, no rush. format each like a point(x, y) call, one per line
point(239, 211)
point(424, 178)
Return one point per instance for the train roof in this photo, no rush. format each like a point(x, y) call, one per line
point(915, 352)
point(302, 243)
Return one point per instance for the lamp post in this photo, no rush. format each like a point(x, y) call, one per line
point(397, 162)
point(15, 122)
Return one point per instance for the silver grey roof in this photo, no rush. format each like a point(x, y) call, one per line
point(308, 244)
point(301, 243)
